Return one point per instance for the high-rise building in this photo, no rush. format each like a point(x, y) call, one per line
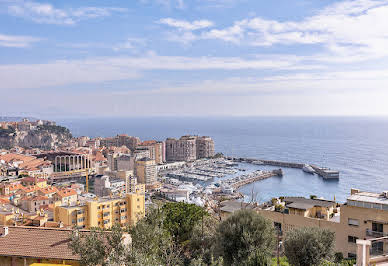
point(156, 150)
point(189, 148)
point(146, 171)
point(205, 147)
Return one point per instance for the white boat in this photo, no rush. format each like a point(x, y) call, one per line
point(308, 169)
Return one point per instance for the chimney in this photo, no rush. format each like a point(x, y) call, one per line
point(3, 231)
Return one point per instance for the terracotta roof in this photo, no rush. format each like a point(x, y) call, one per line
point(66, 192)
point(29, 188)
point(48, 190)
point(37, 242)
point(13, 187)
point(32, 179)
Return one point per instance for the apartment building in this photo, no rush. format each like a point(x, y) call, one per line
point(146, 171)
point(103, 212)
point(189, 148)
point(363, 216)
point(205, 147)
point(183, 149)
point(156, 149)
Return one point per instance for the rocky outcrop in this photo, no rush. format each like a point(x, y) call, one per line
point(43, 137)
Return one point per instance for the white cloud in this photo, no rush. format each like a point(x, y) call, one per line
point(130, 43)
point(185, 25)
point(16, 41)
point(47, 13)
point(179, 4)
point(349, 30)
point(94, 70)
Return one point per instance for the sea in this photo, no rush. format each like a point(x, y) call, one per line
point(356, 146)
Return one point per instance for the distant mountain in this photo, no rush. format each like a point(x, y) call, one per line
point(15, 118)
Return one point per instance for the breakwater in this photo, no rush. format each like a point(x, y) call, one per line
point(324, 172)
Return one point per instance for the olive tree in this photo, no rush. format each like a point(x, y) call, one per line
point(308, 246)
point(245, 238)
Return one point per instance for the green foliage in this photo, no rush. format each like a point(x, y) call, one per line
point(201, 244)
point(313, 196)
point(245, 238)
point(338, 257)
point(218, 155)
point(98, 247)
point(282, 261)
point(180, 219)
point(308, 246)
point(5, 132)
point(55, 129)
point(152, 244)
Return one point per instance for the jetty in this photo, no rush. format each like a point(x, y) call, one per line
point(240, 181)
point(324, 172)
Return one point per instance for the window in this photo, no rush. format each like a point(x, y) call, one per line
point(80, 220)
point(352, 239)
point(353, 222)
point(123, 210)
point(377, 227)
point(106, 221)
point(106, 214)
point(352, 255)
point(377, 248)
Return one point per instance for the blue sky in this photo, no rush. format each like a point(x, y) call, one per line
point(193, 58)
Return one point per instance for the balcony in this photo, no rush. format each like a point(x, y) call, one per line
point(371, 233)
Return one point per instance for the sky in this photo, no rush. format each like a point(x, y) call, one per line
point(115, 58)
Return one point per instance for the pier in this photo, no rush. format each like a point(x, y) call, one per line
point(252, 180)
point(324, 172)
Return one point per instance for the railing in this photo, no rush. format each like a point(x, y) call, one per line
point(372, 233)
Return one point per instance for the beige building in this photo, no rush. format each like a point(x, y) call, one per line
point(205, 147)
point(103, 212)
point(156, 150)
point(146, 171)
point(183, 149)
point(189, 148)
point(363, 216)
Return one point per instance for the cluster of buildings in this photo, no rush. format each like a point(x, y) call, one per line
point(87, 182)
point(361, 221)
point(26, 125)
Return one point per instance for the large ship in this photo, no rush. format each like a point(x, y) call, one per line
point(308, 169)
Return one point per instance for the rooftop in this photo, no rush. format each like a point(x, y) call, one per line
point(369, 197)
point(36, 242)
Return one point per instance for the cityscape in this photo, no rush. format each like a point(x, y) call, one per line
point(193, 133)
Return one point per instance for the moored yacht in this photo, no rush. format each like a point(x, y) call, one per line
point(308, 169)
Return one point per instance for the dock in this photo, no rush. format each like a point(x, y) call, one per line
point(324, 172)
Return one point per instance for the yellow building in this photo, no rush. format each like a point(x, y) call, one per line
point(363, 216)
point(103, 212)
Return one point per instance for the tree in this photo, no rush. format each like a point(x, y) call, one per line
point(152, 243)
point(245, 238)
point(98, 247)
point(308, 246)
point(201, 244)
point(180, 219)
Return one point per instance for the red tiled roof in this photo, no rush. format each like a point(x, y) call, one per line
point(66, 192)
point(37, 242)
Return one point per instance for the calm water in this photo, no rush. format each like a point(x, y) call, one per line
point(357, 147)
